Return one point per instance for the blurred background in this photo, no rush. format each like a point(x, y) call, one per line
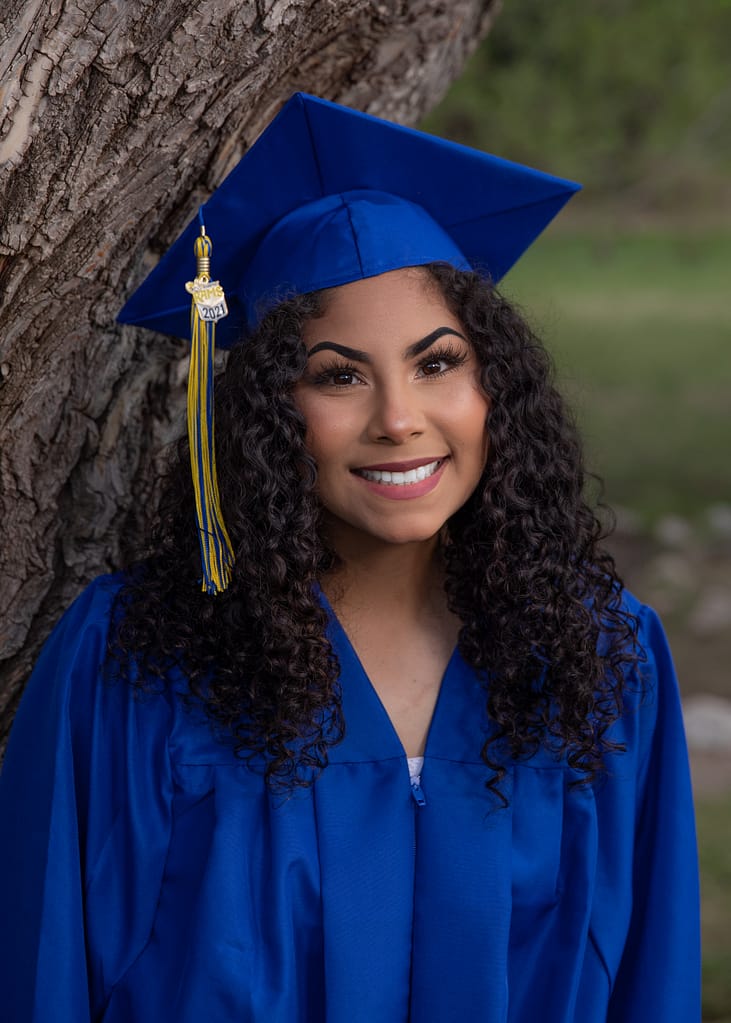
point(631, 289)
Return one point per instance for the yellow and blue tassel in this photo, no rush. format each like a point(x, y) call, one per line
point(208, 305)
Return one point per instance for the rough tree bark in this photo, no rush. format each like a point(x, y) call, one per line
point(119, 117)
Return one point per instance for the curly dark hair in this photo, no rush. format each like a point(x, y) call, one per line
point(539, 599)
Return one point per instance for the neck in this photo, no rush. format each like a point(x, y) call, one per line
point(400, 579)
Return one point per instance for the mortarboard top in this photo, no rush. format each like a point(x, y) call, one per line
point(328, 195)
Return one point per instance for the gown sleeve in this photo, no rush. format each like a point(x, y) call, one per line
point(659, 972)
point(85, 780)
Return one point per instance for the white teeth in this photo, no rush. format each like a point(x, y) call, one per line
point(400, 479)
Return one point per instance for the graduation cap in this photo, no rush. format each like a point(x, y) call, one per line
point(325, 196)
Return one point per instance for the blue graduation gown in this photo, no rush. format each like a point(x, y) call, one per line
point(148, 875)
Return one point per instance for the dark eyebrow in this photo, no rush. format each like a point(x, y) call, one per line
point(357, 356)
point(421, 346)
point(348, 353)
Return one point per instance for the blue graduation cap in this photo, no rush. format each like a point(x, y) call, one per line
point(328, 195)
point(325, 196)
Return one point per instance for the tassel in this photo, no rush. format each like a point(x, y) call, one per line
point(208, 305)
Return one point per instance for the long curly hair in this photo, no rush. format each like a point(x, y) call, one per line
point(538, 597)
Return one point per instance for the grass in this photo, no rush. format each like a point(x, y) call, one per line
point(640, 328)
point(714, 843)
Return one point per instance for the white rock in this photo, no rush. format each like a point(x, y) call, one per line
point(674, 570)
point(673, 531)
point(707, 723)
point(712, 612)
point(718, 517)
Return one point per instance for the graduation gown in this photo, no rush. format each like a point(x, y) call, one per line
point(148, 875)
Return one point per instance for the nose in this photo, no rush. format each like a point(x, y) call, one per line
point(397, 414)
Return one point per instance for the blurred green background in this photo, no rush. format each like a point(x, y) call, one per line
point(631, 289)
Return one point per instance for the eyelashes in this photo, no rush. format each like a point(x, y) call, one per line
point(450, 355)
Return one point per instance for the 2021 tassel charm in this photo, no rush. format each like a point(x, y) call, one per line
point(207, 307)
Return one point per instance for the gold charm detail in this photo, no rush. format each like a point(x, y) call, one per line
point(209, 299)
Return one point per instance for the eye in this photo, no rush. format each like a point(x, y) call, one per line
point(434, 366)
point(441, 360)
point(336, 374)
point(342, 378)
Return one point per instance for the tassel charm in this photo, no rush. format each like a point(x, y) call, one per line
point(207, 307)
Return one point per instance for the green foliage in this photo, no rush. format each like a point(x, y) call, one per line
point(639, 326)
point(627, 96)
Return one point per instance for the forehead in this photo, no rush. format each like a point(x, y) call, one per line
point(402, 304)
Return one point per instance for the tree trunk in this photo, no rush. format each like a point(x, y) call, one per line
point(118, 120)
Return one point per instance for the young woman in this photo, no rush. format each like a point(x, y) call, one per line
point(420, 757)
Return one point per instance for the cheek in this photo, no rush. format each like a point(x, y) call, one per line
point(470, 433)
point(469, 413)
point(326, 436)
point(315, 421)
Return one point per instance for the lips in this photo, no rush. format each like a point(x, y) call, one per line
point(403, 485)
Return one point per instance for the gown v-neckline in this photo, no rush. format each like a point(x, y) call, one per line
point(370, 732)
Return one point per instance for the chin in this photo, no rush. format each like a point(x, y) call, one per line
point(395, 530)
point(404, 535)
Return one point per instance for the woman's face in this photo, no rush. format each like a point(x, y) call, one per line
point(396, 417)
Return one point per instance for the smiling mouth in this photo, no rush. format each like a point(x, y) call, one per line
point(401, 479)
